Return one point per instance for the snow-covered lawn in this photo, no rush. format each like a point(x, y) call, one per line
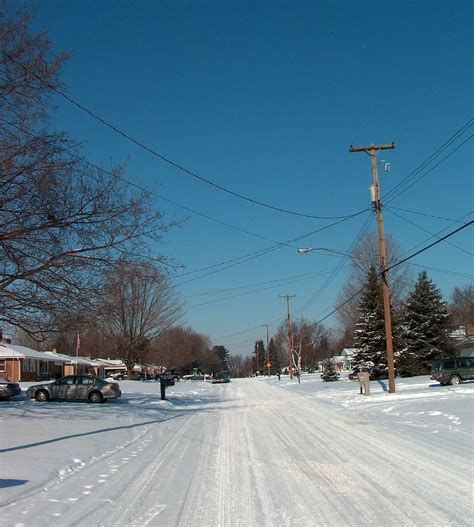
point(249, 453)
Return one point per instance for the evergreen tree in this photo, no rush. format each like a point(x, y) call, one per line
point(259, 352)
point(274, 360)
point(329, 373)
point(424, 329)
point(369, 334)
point(224, 357)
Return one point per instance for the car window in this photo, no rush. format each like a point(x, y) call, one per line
point(85, 380)
point(448, 364)
point(65, 380)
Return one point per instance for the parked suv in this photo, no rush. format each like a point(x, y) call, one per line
point(453, 370)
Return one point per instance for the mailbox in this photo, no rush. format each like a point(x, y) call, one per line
point(364, 381)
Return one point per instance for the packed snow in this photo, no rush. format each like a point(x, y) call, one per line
point(254, 452)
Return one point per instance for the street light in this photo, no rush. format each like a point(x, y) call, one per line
point(304, 250)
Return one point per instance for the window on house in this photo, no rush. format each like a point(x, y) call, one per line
point(3, 365)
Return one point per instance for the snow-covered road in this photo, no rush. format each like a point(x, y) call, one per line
point(250, 453)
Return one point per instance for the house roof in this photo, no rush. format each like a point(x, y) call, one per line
point(348, 352)
point(13, 351)
point(72, 360)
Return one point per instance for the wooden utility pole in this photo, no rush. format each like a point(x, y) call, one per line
point(372, 152)
point(267, 351)
point(290, 361)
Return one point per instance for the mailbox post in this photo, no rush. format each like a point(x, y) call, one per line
point(164, 383)
point(364, 381)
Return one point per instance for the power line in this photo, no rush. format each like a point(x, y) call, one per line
point(396, 191)
point(439, 232)
point(468, 224)
point(251, 256)
point(331, 278)
point(422, 214)
point(135, 185)
point(445, 271)
point(254, 291)
point(166, 159)
point(395, 265)
point(257, 284)
point(428, 232)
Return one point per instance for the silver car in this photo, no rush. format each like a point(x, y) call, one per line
point(8, 389)
point(76, 387)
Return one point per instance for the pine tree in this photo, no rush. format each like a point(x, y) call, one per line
point(274, 360)
point(369, 334)
point(329, 373)
point(424, 329)
point(259, 351)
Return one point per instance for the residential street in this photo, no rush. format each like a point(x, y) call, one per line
point(248, 453)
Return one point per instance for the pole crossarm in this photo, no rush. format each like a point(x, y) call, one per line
point(390, 146)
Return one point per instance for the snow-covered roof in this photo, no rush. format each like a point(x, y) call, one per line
point(348, 352)
point(110, 362)
point(21, 352)
point(73, 360)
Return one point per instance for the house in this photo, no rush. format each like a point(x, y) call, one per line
point(463, 338)
point(20, 363)
point(343, 361)
point(78, 365)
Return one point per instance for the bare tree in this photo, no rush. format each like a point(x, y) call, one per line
point(62, 223)
point(179, 347)
point(312, 338)
point(140, 304)
point(462, 305)
point(364, 256)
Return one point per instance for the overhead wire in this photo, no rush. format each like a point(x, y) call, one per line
point(408, 181)
point(391, 207)
point(429, 232)
point(268, 288)
point(167, 160)
point(403, 260)
point(135, 185)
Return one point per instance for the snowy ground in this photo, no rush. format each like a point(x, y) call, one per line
point(255, 452)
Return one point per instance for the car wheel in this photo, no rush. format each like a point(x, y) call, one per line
point(95, 397)
point(455, 379)
point(175, 379)
point(41, 396)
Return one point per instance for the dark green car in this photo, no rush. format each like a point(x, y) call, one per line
point(453, 370)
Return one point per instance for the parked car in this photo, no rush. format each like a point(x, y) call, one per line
point(8, 389)
point(221, 377)
point(197, 377)
point(453, 370)
point(174, 373)
point(76, 387)
point(118, 375)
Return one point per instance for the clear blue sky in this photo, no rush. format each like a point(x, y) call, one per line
point(264, 98)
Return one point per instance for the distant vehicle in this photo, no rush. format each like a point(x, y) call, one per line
point(8, 389)
point(169, 375)
point(174, 372)
point(75, 387)
point(221, 377)
point(197, 377)
point(118, 375)
point(453, 370)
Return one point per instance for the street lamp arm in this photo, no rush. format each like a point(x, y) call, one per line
point(304, 250)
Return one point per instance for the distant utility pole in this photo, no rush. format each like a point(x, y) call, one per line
point(290, 365)
point(267, 350)
point(372, 152)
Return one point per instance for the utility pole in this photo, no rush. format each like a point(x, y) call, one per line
point(267, 350)
point(372, 152)
point(290, 365)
